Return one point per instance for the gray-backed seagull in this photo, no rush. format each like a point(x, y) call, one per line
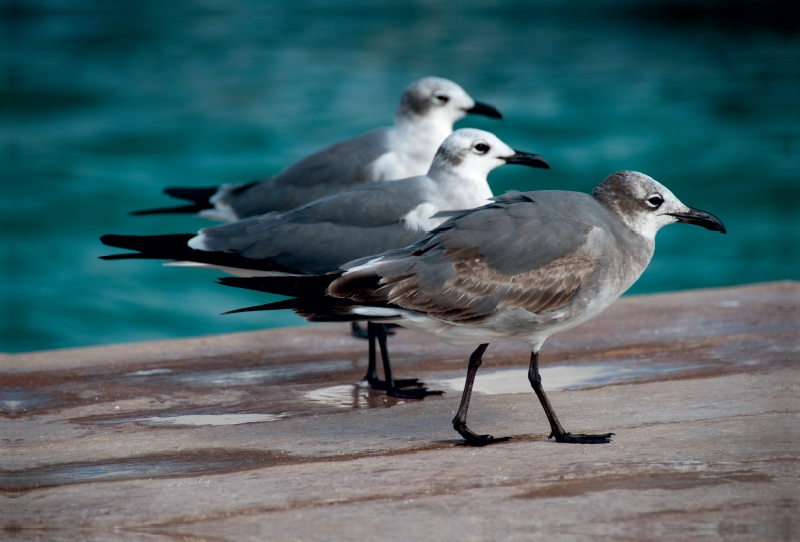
point(322, 235)
point(519, 269)
point(424, 119)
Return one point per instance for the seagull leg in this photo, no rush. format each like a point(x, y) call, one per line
point(460, 421)
point(372, 373)
point(391, 385)
point(556, 430)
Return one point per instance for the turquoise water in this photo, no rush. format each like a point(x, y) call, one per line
point(102, 109)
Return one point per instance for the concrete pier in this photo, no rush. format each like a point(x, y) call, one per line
point(268, 436)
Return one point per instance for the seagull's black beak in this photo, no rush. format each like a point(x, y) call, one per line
point(700, 218)
point(527, 159)
point(486, 110)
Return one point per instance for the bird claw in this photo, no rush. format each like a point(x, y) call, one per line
point(473, 439)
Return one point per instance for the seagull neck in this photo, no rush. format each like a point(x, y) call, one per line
point(635, 250)
point(461, 189)
point(418, 135)
point(613, 207)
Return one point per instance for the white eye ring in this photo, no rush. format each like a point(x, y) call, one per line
point(654, 200)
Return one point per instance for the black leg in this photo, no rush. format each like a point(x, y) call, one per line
point(555, 426)
point(393, 386)
point(372, 373)
point(460, 421)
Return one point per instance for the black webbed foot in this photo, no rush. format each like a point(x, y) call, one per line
point(414, 393)
point(473, 439)
point(378, 384)
point(408, 383)
point(580, 438)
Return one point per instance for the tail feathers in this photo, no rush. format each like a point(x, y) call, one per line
point(304, 286)
point(157, 247)
point(277, 305)
point(174, 247)
point(185, 209)
point(319, 310)
point(199, 196)
point(309, 298)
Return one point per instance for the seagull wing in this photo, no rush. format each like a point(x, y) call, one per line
point(320, 236)
point(524, 250)
point(338, 167)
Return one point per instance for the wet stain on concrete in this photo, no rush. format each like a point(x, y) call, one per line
point(351, 396)
point(210, 461)
point(209, 419)
point(191, 463)
point(641, 482)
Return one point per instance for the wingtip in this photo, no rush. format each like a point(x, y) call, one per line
point(110, 239)
point(254, 308)
point(183, 209)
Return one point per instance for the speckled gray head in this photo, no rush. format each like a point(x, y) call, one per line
point(438, 97)
point(473, 152)
point(646, 206)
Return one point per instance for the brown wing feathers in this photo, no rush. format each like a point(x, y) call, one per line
point(475, 291)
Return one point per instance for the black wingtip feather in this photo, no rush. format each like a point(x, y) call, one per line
point(154, 244)
point(308, 298)
point(303, 286)
point(187, 209)
point(198, 196)
point(254, 308)
point(128, 256)
point(334, 311)
point(175, 247)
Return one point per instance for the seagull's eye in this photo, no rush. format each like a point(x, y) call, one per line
point(655, 201)
point(482, 148)
point(442, 98)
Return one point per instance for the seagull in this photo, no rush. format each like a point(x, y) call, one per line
point(424, 119)
point(520, 268)
point(321, 236)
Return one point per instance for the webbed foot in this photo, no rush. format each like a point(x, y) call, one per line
point(378, 384)
point(473, 439)
point(581, 438)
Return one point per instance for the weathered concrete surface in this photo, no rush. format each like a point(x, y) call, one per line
point(700, 387)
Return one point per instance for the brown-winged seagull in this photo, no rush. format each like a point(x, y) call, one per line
point(519, 269)
point(424, 119)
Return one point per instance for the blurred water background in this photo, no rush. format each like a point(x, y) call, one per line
point(102, 107)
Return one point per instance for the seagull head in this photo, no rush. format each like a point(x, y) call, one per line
point(469, 152)
point(442, 101)
point(646, 206)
